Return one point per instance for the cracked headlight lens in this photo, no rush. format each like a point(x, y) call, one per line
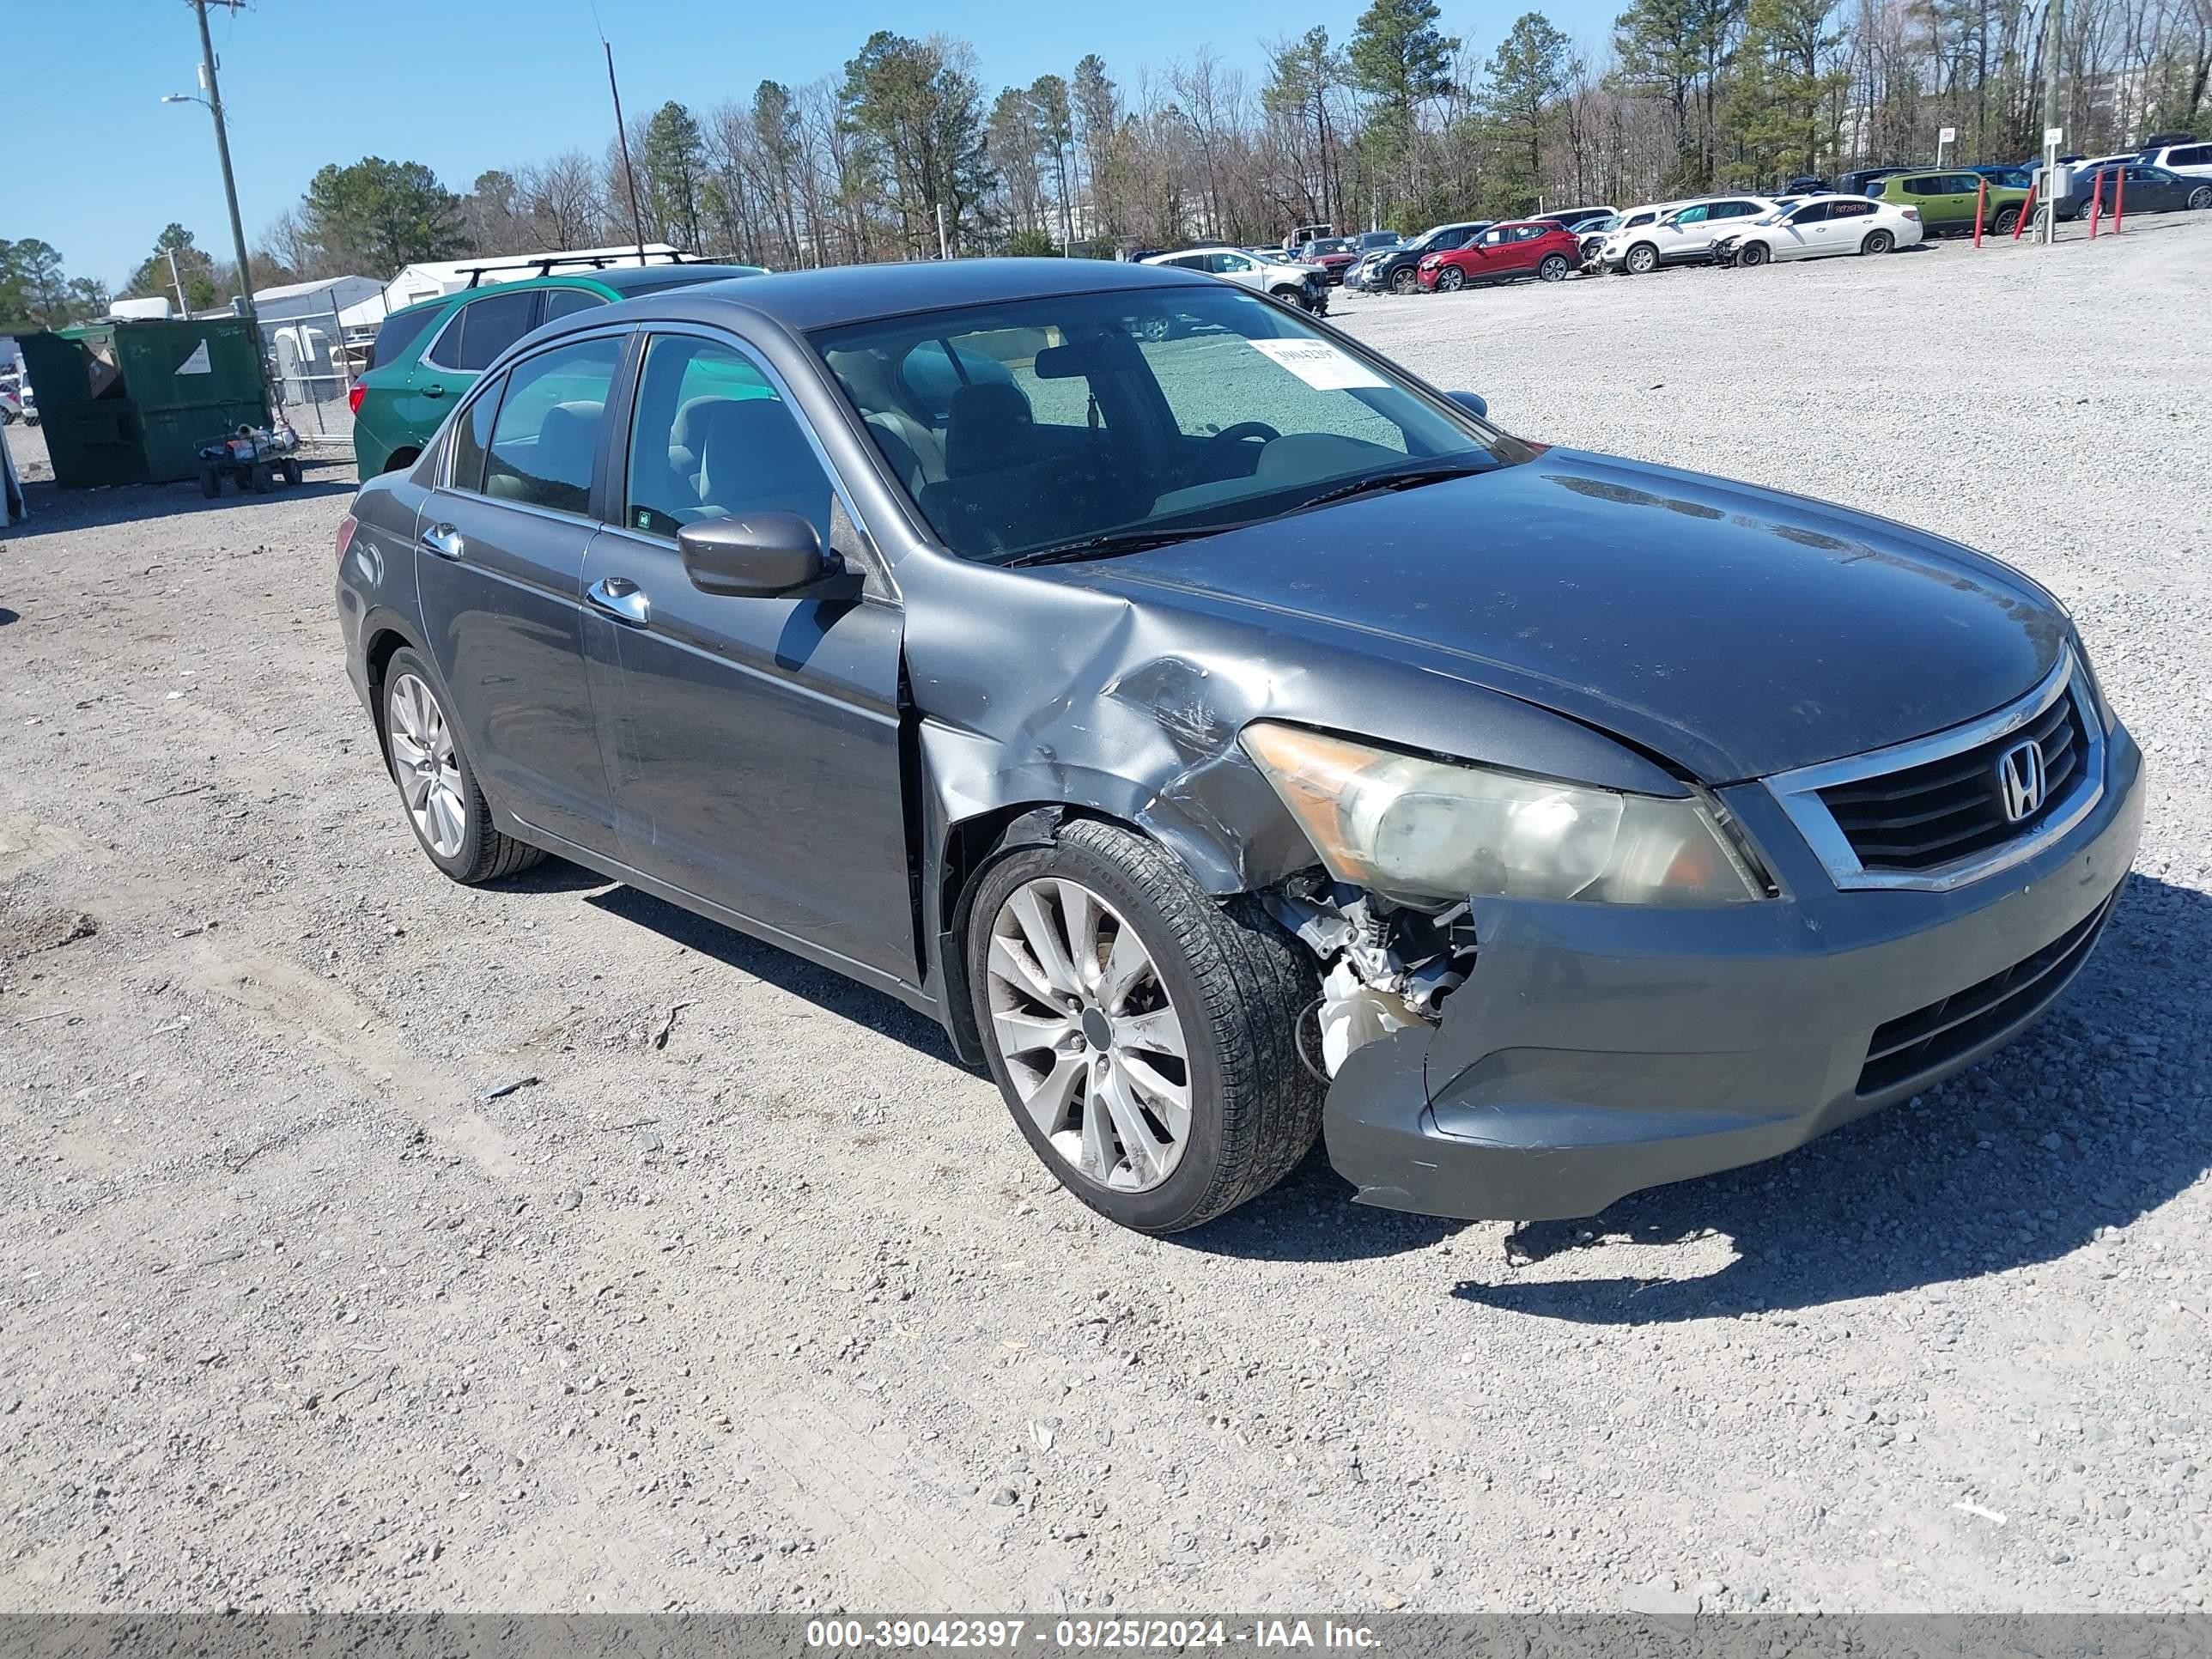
point(1416, 829)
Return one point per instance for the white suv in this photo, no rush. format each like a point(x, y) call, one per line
point(1683, 236)
point(2189, 161)
point(1295, 284)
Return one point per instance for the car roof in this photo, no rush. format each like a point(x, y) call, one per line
point(802, 301)
point(624, 280)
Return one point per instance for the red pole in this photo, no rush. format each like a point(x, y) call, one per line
point(2027, 212)
point(2119, 199)
point(2096, 203)
point(1981, 202)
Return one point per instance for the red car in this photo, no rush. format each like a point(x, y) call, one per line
point(1507, 252)
point(1334, 254)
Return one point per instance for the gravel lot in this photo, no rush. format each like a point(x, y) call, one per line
point(751, 1297)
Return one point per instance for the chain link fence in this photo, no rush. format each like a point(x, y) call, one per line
point(315, 353)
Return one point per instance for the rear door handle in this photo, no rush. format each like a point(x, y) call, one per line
point(620, 598)
point(443, 540)
point(435, 389)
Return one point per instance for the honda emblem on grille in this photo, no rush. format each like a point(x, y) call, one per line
point(2020, 779)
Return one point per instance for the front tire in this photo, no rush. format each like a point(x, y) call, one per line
point(1290, 296)
point(1643, 259)
point(2008, 220)
point(1878, 241)
point(1405, 281)
point(1142, 1033)
point(445, 806)
point(1553, 268)
point(1751, 253)
point(1451, 279)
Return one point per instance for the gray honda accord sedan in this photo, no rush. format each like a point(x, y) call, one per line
point(1232, 738)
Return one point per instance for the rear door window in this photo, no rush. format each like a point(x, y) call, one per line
point(546, 439)
point(471, 438)
point(2191, 155)
point(483, 329)
point(1850, 209)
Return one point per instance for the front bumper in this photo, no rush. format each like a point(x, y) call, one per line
point(1596, 1050)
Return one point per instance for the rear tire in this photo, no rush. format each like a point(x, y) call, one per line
point(2201, 197)
point(1231, 982)
point(1553, 269)
point(1751, 253)
point(472, 851)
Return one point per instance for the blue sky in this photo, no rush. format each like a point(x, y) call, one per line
point(465, 85)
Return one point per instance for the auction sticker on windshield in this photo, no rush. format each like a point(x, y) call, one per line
point(1318, 364)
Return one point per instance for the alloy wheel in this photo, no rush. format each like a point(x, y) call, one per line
point(1089, 1036)
point(1641, 260)
point(1404, 283)
point(2201, 197)
point(1451, 279)
point(1554, 267)
point(428, 768)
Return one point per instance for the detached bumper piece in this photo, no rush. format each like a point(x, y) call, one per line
point(1595, 1051)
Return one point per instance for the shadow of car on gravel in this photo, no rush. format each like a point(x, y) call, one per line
point(819, 986)
point(2091, 1120)
point(52, 508)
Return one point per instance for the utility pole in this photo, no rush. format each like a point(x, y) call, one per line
point(944, 247)
point(622, 137)
point(2054, 24)
point(222, 153)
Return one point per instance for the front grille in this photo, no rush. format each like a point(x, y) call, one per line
point(1943, 811)
point(1929, 1039)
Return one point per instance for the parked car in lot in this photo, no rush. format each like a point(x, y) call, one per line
point(1516, 251)
point(1295, 284)
point(1947, 201)
point(1397, 270)
point(1332, 255)
point(1681, 236)
point(2009, 173)
point(425, 356)
point(2190, 157)
point(1580, 221)
point(2137, 187)
point(1617, 825)
point(1855, 182)
point(1825, 225)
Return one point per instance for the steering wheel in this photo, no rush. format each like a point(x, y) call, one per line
point(1205, 467)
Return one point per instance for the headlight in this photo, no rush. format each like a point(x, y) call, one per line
point(1416, 829)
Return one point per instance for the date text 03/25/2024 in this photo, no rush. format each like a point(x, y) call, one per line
point(1107, 1634)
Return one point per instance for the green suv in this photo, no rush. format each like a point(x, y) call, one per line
point(1946, 201)
point(426, 357)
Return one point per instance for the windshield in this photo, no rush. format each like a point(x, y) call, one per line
point(1168, 410)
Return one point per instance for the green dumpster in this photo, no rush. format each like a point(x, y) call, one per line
point(131, 403)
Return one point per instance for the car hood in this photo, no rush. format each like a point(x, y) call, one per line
point(1733, 630)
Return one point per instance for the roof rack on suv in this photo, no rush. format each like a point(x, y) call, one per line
point(596, 261)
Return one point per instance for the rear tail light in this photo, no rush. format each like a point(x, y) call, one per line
point(347, 526)
point(353, 396)
point(1913, 213)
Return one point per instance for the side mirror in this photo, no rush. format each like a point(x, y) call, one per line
point(1473, 403)
point(756, 556)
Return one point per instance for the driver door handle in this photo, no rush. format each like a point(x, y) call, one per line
point(443, 540)
point(620, 598)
